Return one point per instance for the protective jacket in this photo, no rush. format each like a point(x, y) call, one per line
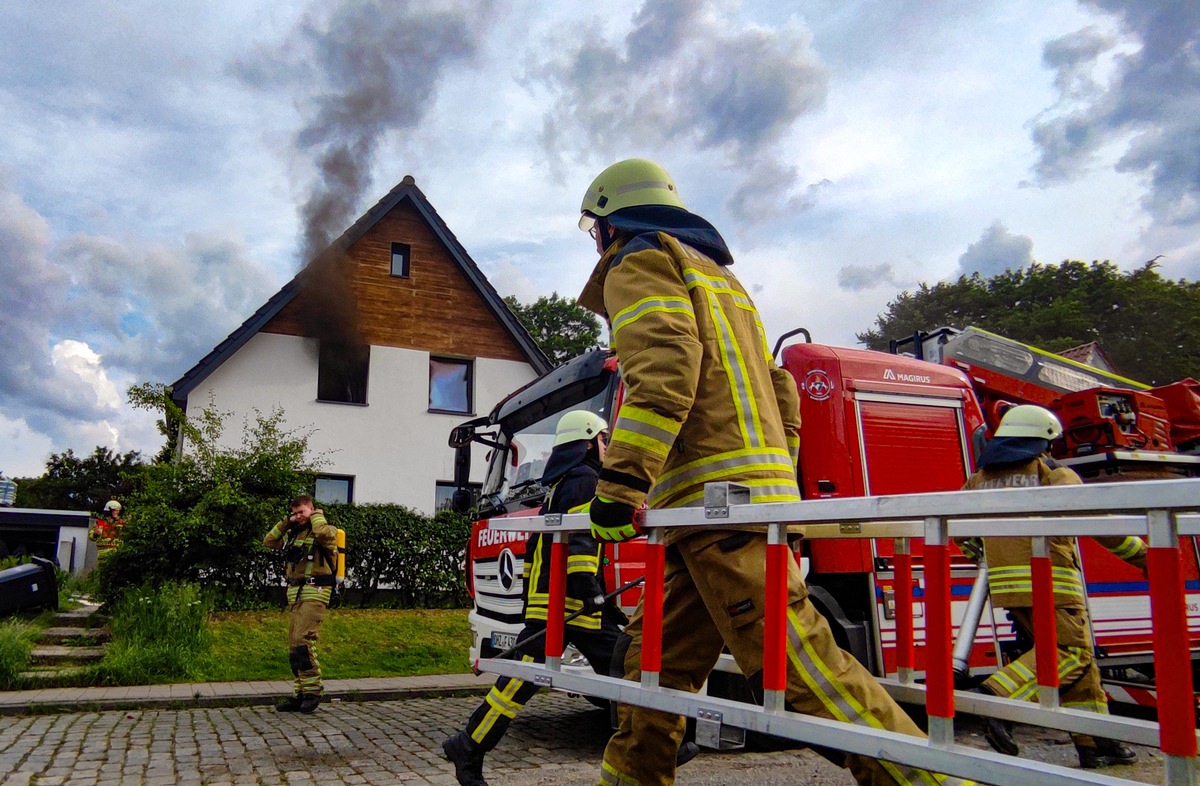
point(311, 554)
point(107, 533)
point(1010, 578)
point(572, 488)
point(704, 400)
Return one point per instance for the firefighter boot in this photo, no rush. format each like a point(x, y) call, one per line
point(309, 702)
point(290, 704)
point(1104, 753)
point(467, 759)
point(687, 751)
point(997, 732)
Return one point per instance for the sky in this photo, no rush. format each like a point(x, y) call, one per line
point(165, 168)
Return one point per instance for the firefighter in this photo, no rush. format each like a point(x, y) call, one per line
point(570, 474)
point(1018, 457)
point(309, 544)
point(107, 532)
point(704, 401)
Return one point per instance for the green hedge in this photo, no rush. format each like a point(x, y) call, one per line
point(417, 559)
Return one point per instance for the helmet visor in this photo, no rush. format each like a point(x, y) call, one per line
point(587, 222)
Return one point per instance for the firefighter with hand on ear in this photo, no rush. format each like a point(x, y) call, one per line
point(1018, 457)
point(310, 549)
point(570, 474)
point(704, 401)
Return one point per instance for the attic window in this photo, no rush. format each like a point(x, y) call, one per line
point(342, 373)
point(451, 385)
point(400, 256)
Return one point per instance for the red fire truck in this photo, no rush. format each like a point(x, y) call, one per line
point(874, 423)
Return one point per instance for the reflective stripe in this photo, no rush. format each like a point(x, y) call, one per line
point(844, 706)
point(583, 563)
point(1130, 547)
point(500, 704)
point(1098, 707)
point(651, 305)
point(307, 592)
point(761, 490)
point(739, 382)
point(697, 280)
point(793, 443)
point(645, 429)
point(1018, 579)
point(714, 467)
point(609, 776)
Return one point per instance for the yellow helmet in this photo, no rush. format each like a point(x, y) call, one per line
point(629, 183)
point(1028, 420)
point(112, 504)
point(578, 425)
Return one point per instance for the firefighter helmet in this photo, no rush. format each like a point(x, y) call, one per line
point(578, 425)
point(112, 504)
point(1028, 420)
point(630, 183)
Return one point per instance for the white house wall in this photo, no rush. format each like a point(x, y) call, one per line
point(395, 449)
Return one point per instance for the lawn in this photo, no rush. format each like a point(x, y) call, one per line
point(252, 645)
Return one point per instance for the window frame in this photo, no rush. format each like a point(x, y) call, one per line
point(349, 479)
point(403, 250)
point(366, 373)
point(469, 364)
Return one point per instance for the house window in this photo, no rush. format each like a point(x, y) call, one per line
point(450, 385)
point(342, 373)
point(400, 256)
point(445, 493)
point(334, 488)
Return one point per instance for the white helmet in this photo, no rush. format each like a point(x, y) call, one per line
point(112, 504)
point(578, 425)
point(1028, 420)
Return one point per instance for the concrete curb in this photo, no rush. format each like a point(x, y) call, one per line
point(235, 694)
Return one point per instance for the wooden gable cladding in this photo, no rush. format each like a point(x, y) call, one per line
point(435, 308)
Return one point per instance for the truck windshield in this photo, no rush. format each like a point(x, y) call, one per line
point(515, 469)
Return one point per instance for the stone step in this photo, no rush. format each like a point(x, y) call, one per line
point(86, 617)
point(74, 636)
point(62, 656)
point(51, 677)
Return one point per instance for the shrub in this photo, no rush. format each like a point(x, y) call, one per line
point(16, 644)
point(158, 635)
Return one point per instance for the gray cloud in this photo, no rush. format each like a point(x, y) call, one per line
point(359, 73)
point(858, 278)
point(1151, 98)
point(684, 75)
point(995, 251)
point(83, 316)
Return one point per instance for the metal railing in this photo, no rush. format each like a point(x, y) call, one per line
point(1152, 509)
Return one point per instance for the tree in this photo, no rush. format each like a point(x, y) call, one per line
point(82, 482)
point(1148, 326)
point(560, 326)
point(202, 516)
point(156, 397)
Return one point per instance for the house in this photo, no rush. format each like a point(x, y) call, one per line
point(1090, 354)
point(383, 344)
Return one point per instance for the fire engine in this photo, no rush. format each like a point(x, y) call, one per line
point(875, 423)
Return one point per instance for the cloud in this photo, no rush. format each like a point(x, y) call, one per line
point(685, 75)
point(857, 278)
point(358, 73)
point(1149, 102)
point(996, 251)
point(84, 317)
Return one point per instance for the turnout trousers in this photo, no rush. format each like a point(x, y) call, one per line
point(1078, 677)
point(713, 596)
point(303, 622)
point(491, 718)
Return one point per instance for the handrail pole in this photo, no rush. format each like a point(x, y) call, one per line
point(906, 663)
point(939, 661)
point(1172, 661)
point(652, 608)
point(556, 608)
point(775, 619)
point(1045, 623)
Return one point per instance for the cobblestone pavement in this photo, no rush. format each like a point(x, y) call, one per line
point(557, 741)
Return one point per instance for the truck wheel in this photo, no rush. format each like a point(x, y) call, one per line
point(853, 637)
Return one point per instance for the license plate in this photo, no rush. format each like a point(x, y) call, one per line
point(503, 641)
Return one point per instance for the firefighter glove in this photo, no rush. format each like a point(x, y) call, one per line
point(614, 521)
point(592, 605)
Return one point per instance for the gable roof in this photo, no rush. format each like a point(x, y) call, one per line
point(1090, 354)
point(405, 190)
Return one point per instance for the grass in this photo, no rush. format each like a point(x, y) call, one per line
point(16, 643)
point(252, 645)
point(158, 635)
